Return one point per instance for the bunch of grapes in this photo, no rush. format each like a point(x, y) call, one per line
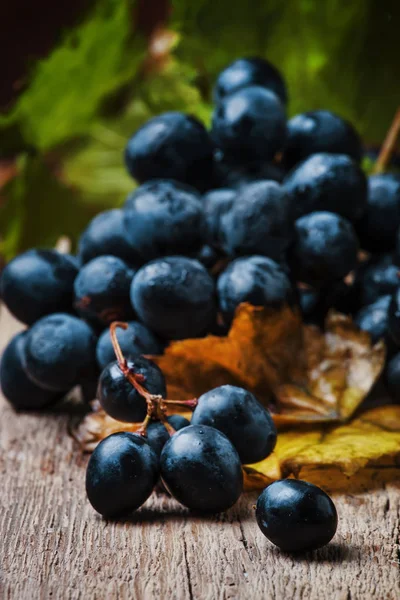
point(257, 209)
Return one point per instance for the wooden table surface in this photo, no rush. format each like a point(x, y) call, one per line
point(53, 545)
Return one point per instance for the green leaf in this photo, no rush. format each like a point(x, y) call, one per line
point(68, 87)
point(38, 209)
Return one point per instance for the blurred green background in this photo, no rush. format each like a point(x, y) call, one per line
point(80, 83)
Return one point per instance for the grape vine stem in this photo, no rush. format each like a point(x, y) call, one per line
point(389, 145)
point(156, 405)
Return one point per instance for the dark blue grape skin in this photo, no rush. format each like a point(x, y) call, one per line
point(16, 386)
point(201, 469)
point(259, 222)
point(163, 218)
point(374, 319)
point(172, 145)
point(296, 516)
point(394, 317)
point(393, 377)
point(102, 291)
point(216, 204)
point(245, 72)
point(106, 235)
point(137, 339)
point(255, 279)
point(327, 182)
point(380, 224)
point(37, 283)
point(121, 474)
point(60, 352)
point(239, 415)
point(324, 250)
point(175, 297)
point(231, 173)
point(157, 435)
point(208, 256)
point(250, 124)
point(117, 395)
point(320, 131)
point(377, 278)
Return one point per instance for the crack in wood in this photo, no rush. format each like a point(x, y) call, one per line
point(189, 577)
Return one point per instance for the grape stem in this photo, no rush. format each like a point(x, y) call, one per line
point(156, 405)
point(389, 145)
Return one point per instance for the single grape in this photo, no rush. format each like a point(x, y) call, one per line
point(377, 278)
point(60, 352)
point(239, 415)
point(296, 516)
point(137, 339)
point(163, 218)
point(259, 222)
point(201, 469)
point(104, 236)
point(250, 124)
point(37, 283)
point(172, 145)
point(374, 318)
point(320, 131)
point(117, 395)
point(157, 435)
point(325, 248)
point(245, 72)
point(174, 296)
point(327, 182)
point(121, 474)
point(102, 291)
point(378, 228)
point(17, 388)
point(254, 279)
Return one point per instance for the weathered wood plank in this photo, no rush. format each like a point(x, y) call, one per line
point(54, 546)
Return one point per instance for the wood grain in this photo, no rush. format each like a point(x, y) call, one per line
point(54, 546)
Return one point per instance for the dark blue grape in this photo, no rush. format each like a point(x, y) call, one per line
point(259, 222)
point(60, 352)
point(245, 72)
point(320, 131)
point(201, 469)
point(19, 390)
point(378, 228)
point(175, 297)
point(296, 516)
point(106, 235)
point(254, 279)
point(377, 278)
point(374, 319)
point(327, 182)
point(137, 339)
point(172, 145)
point(249, 124)
point(164, 218)
point(102, 291)
point(117, 395)
point(325, 248)
point(37, 283)
point(121, 474)
point(157, 435)
point(238, 414)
